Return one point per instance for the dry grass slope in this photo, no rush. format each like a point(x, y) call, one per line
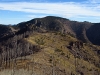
point(54, 58)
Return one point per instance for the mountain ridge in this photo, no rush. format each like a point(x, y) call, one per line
point(80, 30)
point(50, 46)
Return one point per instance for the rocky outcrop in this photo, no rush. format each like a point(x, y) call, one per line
point(76, 44)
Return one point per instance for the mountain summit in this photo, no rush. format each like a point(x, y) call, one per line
point(50, 46)
point(84, 31)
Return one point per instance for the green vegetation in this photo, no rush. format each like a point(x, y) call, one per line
point(39, 41)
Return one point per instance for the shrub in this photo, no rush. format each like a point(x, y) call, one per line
point(39, 41)
point(58, 50)
point(62, 53)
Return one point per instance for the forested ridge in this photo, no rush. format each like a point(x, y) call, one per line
point(50, 46)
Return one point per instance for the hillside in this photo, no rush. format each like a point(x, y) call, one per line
point(50, 46)
point(84, 31)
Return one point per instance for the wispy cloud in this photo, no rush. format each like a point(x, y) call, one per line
point(64, 9)
point(94, 1)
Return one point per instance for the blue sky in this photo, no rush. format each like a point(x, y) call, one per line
point(15, 11)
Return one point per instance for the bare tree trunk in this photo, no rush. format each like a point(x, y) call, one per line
point(12, 58)
point(0, 59)
point(14, 64)
point(13, 69)
point(3, 59)
point(9, 58)
point(6, 58)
